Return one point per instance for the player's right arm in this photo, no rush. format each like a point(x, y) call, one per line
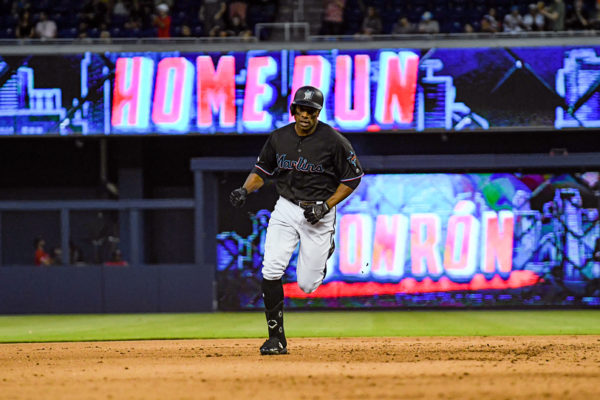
point(253, 182)
point(265, 167)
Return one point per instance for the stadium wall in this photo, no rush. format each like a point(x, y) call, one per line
point(174, 261)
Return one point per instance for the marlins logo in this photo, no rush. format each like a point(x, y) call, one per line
point(308, 95)
point(352, 160)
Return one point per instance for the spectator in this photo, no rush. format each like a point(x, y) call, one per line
point(595, 22)
point(94, 13)
point(579, 18)
point(212, 16)
point(186, 31)
point(372, 23)
point(116, 259)
point(534, 20)
point(45, 28)
point(468, 28)
point(239, 8)
point(513, 22)
point(403, 26)
point(237, 28)
point(428, 24)
point(82, 30)
point(333, 17)
point(40, 258)
point(25, 29)
point(162, 21)
point(136, 15)
point(76, 255)
point(120, 9)
point(489, 23)
point(19, 6)
point(56, 256)
point(167, 2)
point(104, 34)
point(555, 14)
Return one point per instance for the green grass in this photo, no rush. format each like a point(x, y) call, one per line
point(46, 328)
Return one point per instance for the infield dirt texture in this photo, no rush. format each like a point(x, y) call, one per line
point(510, 367)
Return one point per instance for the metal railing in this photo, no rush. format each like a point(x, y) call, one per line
point(132, 208)
point(287, 28)
point(300, 42)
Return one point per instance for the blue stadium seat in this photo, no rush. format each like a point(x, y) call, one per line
point(68, 33)
point(149, 33)
point(7, 33)
point(198, 31)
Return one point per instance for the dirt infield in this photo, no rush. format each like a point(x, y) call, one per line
point(541, 367)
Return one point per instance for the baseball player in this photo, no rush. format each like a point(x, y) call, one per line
point(316, 168)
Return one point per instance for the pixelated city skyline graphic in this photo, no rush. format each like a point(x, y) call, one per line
point(249, 92)
point(443, 240)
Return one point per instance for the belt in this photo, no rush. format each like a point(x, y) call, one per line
point(305, 203)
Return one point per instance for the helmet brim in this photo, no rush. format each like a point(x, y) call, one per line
point(307, 103)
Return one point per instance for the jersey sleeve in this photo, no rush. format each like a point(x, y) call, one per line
point(267, 162)
point(348, 168)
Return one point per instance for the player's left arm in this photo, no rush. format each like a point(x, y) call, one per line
point(349, 172)
point(340, 194)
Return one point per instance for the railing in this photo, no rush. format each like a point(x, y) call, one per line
point(300, 42)
point(133, 209)
point(287, 28)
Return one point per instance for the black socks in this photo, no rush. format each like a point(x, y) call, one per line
point(273, 298)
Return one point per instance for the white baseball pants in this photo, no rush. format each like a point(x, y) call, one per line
point(286, 227)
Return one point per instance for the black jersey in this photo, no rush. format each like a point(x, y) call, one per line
point(308, 167)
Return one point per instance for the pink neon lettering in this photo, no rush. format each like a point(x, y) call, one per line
point(162, 112)
point(257, 92)
point(129, 108)
point(396, 95)
point(215, 90)
point(345, 115)
point(389, 245)
point(461, 246)
point(497, 242)
point(425, 231)
point(351, 244)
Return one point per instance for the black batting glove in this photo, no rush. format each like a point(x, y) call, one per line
point(237, 198)
point(314, 213)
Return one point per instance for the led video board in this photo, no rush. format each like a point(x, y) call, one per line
point(392, 89)
point(442, 240)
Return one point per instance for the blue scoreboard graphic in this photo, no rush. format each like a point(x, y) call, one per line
point(392, 90)
point(441, 240)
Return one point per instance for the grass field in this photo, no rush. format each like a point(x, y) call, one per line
point(50, 328)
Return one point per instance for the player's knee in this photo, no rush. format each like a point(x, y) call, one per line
point(308, 286)
point(271, 275)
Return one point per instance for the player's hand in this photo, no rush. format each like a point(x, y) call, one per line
point(314, 213)
point(237, 198)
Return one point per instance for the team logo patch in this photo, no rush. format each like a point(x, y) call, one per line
point(352, 159)
point(308, 95)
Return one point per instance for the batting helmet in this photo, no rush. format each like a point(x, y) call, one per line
point(308, 96)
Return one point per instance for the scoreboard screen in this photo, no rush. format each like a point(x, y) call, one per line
point(439, 240)
point(391, 90)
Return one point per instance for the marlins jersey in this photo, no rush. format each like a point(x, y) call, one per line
point(308, 167)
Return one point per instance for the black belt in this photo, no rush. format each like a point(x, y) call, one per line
point(305, 203)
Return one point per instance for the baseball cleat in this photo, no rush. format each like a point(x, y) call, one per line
point(272, 346)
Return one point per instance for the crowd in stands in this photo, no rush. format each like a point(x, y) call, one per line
point(106, 19)
point(372, 17)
